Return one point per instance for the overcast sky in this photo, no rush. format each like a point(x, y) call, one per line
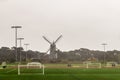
point(83, 23)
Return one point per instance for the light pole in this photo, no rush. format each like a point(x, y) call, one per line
point(104, 45)
point(26, 50)
point(20, 46)
point(115, 54)
point(16, 27)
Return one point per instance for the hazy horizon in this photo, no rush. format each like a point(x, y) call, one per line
point(83, 23)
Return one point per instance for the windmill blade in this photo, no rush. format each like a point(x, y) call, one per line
point(58, 38)
point(47, 50)
point(46, 53)
point(47, 40)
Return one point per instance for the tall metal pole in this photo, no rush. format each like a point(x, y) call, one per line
point(104, 46)
point(26, 50)
point(20, 46)
point(16, 27)
point(16, 37)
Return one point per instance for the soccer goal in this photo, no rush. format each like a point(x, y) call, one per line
point(93, 65)
point(111, 64)
point(33, 68)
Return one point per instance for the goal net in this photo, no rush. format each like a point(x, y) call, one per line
point(111, 64)
point(33, 68)
point(93, 65)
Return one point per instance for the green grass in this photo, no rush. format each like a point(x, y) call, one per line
point(64, 74)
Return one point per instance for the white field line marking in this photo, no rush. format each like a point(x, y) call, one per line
point(11, 70)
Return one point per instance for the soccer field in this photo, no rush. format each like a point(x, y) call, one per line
point(63, 74)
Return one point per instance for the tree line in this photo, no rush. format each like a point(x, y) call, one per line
point(79, 55)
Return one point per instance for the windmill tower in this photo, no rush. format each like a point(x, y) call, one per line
point(52, 49)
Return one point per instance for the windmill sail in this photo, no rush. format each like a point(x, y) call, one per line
point(58, 38)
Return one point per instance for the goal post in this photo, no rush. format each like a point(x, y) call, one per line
point(31, 69)
point(93, 65)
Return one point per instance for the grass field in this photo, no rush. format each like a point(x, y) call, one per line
point(64, 74)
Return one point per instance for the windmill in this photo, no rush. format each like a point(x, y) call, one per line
point(52, 49)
